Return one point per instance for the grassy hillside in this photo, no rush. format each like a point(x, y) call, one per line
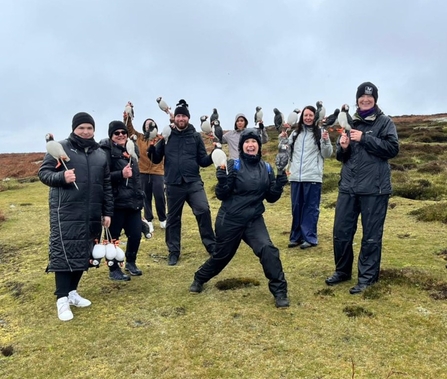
point(152, 327)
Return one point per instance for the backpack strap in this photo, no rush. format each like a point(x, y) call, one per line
point(237, 165)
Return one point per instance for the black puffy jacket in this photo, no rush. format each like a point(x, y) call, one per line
point(75, 215)
point(365, 169)
point(127, 194)
point(248, 184)
point(184, 154)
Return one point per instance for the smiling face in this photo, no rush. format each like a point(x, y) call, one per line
point(250, 146)
point(308, 117)
point(119, 137)
point(85, 131)
point(365, 102)
point(241, 123)
point(181, 121)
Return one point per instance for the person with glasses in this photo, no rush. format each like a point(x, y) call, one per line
point(128, 198)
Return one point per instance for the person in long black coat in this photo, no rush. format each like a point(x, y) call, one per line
point(76, 213)
point(364, 189)
point(248, 183)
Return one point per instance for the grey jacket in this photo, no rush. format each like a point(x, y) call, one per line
point(307, 161)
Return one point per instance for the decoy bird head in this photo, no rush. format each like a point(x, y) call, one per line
point(203, 118)
point(49, 137)
point(258, 108)
point(319, 104)
point(297, 110)
point(345, 108)
point(276, 110)
point(158, 99)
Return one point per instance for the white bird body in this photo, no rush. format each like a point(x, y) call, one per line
point(219, 158)
point(259, 115)
point(293, 117)
point(129, 110)
point(130, 147)
point(56, 150)
point(166, 132)
point(163, 105)
point(205, 125)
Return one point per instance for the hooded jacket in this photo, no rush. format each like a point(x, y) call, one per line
point(365, 169)
point(127, 194)
point(145, 165)
point(184, 154)
point(75, 215)
point(307, 161)
point(232, 137)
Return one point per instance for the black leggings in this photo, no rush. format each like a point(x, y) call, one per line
point(66, 281)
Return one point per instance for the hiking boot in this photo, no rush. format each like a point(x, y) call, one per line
point(77, 300)
point(133, 269)
point(172, 259)
point(63, 309)
point(118, 275)
point(196, 287)
point(281, 301)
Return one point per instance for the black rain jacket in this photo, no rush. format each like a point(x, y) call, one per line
point(365, 169)
point(184, 154)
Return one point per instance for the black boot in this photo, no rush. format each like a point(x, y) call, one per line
point(133, 269)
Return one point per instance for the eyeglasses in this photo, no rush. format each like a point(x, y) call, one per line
point(118, 132)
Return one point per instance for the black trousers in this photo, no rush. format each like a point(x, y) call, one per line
point(373, 212)
point(229, 235)
point(130, 221)
point(193, 194)
point(153, 186)
point(66, 281)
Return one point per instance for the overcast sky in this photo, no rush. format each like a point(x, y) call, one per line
point(62, 57)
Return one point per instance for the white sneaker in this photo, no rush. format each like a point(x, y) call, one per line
point(63, 309)
point(163, 224)
point(151, 227)
point(77, 300)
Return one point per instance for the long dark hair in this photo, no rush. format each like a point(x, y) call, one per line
point(315, 129)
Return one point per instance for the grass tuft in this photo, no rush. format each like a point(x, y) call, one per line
point(357, 311)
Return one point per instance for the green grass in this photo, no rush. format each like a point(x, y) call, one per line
point(152, 327)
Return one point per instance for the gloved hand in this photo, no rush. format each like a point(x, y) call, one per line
point(221, 175)
point(281, 180)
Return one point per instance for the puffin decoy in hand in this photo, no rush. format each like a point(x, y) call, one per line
point(217, 131)
point(320, 114)
point(292, 119)
point(258, 115)
point(163, 105)
point(151, 131)
point(345, 119)
point(129, 110)
point(56, 150)
point(282, 157)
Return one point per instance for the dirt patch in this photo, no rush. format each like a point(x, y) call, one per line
point(20, 165)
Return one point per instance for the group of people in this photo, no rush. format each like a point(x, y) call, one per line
point(112, 189)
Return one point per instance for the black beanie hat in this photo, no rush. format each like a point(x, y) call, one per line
point(182, 108)
point(249, 133)
point(116, 125)
point(367, 88)
point(82, 118)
